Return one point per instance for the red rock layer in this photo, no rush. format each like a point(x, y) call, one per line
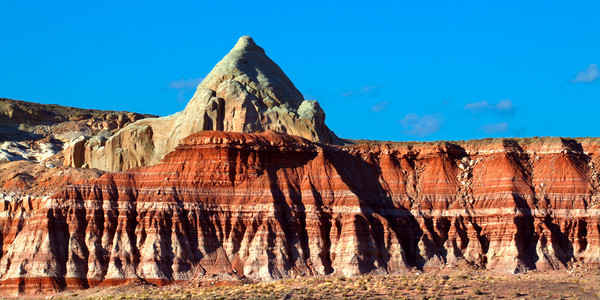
point(24, 189)
point(269, 206)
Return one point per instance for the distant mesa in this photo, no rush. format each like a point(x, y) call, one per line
point(245, 92)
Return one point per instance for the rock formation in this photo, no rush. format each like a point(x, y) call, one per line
point(270, 205)
point(15, 112)
point(248, 182)
point(245, 92)
point(32, 137)
point(36, 132)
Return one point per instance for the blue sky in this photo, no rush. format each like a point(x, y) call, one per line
point(418, 70)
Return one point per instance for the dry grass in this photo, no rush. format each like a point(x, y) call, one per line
point(463, 285)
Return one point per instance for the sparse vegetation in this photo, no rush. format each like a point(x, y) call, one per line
point(465, 285)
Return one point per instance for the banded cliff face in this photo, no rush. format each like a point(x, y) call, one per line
point(270, 205)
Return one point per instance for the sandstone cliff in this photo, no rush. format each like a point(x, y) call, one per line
point(245, 92)
point(271, 205)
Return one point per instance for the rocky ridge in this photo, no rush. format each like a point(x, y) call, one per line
point(269, 205)
point(245, 92)
point(37, 132)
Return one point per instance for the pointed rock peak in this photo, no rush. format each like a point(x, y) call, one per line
point(247, 44)
point(250, 68)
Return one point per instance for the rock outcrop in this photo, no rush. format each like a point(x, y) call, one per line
point(20, 120)
point(245, 92)
point(271, 205)
point(36, 132)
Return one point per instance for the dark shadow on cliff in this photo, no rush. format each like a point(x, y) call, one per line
point(291, 215)
point(363, 180)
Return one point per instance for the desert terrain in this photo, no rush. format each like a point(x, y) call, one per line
point(247, 193)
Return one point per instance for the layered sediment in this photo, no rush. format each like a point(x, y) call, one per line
point(269, 205)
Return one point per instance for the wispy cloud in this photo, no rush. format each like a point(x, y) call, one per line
point(589, 74)
point(502, 107)
point(495, 128)
point(505, 107)
point(379, 106)
point(185, 84)
point(369, 90)
point(480, 106)
point(413, 124)
point(184, 87)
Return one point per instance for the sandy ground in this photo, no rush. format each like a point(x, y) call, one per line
point(470, 284)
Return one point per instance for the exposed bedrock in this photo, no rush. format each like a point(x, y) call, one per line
point(245, 92)
point(269, 206)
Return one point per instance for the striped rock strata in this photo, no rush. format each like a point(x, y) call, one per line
point(269, 205)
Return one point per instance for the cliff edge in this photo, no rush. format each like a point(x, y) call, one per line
point(227, 205)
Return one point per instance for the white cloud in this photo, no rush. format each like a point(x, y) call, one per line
point(185, 84)
point(503, 107)
point(379, 106)
point(478, 106)
point(414, 124)
point(589, 74)
point(495, 128)
point(363, 91)
point(184, 87)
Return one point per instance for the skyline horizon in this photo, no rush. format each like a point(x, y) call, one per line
point(464, 71)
